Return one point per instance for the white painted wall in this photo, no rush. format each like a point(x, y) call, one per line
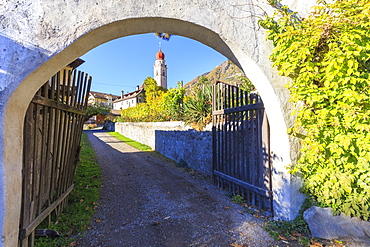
point(124, 104)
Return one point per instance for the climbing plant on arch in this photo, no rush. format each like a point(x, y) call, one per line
point(327, 57)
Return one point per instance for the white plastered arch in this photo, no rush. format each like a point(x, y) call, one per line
point(213, 28)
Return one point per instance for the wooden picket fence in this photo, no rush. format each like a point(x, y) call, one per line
point(52, 132)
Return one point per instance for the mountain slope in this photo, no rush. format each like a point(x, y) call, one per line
point(225, 72)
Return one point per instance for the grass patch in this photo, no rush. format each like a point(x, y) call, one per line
point(237, 199)
point(130, 142)
point(82, 202)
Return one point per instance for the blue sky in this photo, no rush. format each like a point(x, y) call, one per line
point(123, 63)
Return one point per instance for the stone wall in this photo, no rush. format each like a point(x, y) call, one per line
point(174, 140)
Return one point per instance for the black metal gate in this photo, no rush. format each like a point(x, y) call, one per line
point(52, 132)
point(241, 160)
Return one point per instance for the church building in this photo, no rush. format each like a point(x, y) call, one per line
point(130, 99)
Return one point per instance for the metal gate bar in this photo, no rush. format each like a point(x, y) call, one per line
point(241, 159)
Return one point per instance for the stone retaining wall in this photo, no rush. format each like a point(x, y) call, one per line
point(175, 141)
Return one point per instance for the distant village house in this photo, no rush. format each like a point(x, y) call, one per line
point(130, 99)
point(96, 98)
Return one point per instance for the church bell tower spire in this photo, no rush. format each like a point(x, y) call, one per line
point(160, 69)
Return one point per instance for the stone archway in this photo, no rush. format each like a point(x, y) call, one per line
point(38, 39)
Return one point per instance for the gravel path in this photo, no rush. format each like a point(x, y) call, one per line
point(145, 201)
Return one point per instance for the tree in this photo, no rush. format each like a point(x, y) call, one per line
point(173, 102)
point(152, 90)
point(96, 109)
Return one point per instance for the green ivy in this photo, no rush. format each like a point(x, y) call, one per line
point(327, 57)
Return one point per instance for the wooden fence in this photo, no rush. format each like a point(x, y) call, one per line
point(241, 160)
point(52, 132)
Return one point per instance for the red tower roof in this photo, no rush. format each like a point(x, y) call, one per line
point(159, 55)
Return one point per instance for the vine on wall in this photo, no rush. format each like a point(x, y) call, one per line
point(327, 57)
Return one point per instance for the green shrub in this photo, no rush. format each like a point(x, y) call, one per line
point(198, 107)
point(327, 57)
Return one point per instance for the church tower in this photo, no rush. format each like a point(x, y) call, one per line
point(160, 69)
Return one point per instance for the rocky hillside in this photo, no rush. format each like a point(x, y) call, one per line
point(226, 72)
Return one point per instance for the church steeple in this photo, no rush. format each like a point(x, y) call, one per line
point(160, 69)
point(159, 55)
